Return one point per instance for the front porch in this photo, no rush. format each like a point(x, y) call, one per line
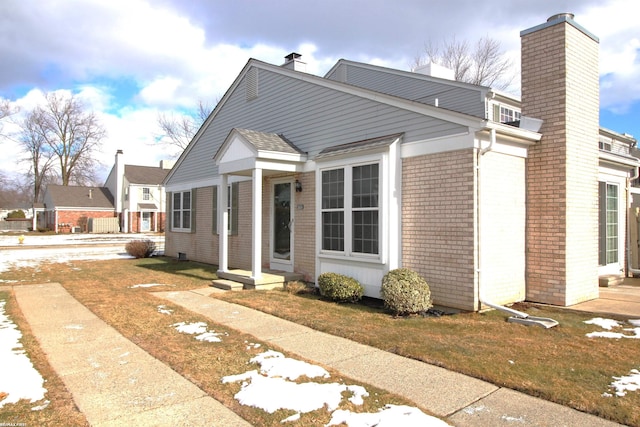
point(243, 279)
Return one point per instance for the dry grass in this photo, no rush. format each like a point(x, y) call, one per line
point(105, 288)
point(559, 364)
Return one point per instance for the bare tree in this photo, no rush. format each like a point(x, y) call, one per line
point(14, 193)
point(180, 130)
point(71, 135)
point(6, 110)
point(481, 64)
point(39, 154)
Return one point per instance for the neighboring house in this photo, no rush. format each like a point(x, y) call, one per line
point(69, 209)
point(139, 195)
point(489, 197)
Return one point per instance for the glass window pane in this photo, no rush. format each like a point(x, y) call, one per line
point(333, 231)
point(365, 232)
point(186, 200)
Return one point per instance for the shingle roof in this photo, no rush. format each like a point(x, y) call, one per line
point(145, 174)
point(269, 141)
point(353, 147)
point(80, 197)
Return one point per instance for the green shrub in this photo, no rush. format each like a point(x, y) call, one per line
point(16, 214)
point(405, 292)
point(140, 248)
point(339, 287)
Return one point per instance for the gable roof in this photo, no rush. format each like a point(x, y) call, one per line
point(148, 175)
point(393, 101)
point(80, 197)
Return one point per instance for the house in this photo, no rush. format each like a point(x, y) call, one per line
point(489, 197)
point(138, 205)
point(70, 209)
point(139, 195)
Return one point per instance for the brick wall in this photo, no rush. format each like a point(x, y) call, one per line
point(438, 222)
point(305, 227)
point(560, 86)
point(68, 219)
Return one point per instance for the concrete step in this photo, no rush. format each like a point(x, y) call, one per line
point(227, 285)
point(610, 280)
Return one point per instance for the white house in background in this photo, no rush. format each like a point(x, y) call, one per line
point(139, 196)
point(489, 197)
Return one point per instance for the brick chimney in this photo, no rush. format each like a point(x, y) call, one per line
point(560, 85)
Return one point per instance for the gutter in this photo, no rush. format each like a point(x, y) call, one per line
point(481, 152)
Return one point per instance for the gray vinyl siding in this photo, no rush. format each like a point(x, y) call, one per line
point(311, 116)
point(459, 97)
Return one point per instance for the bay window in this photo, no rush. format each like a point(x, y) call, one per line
point(350, 209)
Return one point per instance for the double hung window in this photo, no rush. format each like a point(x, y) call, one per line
point(181, 211)
point(350, 209)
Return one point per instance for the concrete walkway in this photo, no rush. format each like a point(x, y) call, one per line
point(114, 382)
point(615, 301)
point(459, 399)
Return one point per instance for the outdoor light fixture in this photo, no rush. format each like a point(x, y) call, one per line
point(298, 187)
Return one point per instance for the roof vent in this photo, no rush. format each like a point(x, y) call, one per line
point(561, 16)
point(293, 62)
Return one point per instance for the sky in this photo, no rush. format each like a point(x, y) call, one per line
point(131, 60)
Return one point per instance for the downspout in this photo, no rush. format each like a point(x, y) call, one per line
point(481, 152)
point(630, 270)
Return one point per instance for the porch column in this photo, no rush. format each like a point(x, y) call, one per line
point(223, 225)
point(256, 217)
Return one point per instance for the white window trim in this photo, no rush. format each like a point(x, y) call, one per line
point(348, 164)
point(182, 210)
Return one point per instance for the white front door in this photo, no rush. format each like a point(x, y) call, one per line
point(281, 233)
point(146, 222)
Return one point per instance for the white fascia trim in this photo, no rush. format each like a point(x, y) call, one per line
point(278, 166)
point(248, 163)
point(442, 144)
point(607, 173)
point(619, 161)
point(521, 136)
point(283, 157)
point(210, 182)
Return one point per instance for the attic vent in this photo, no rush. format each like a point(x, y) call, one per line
point(251, 84)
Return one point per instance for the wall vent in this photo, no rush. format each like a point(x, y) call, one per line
point(251, 84)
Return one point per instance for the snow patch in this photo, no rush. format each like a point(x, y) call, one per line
point(274, 364)
point(19, 379)
point(199, 329)
point(164, 310)
point(607, 324)
point(390, 415)
point(622, 385)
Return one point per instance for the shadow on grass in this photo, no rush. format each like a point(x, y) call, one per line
point(192, 269)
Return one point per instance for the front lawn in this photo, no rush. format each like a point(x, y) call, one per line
point(560, 364)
